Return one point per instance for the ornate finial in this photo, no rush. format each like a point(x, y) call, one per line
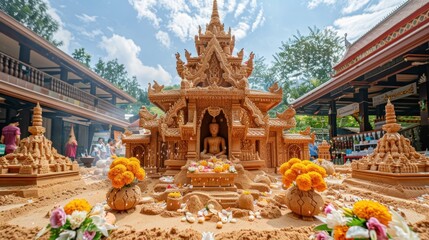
point(215, 19)
point(346, 42)
point(37, 116)
point(390, 112)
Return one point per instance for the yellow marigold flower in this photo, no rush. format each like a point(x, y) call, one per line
point(321, 187)
point(284, 167)
point(246, 192)
point(128, 177)
point(119, 160)
point(133, 166)
point(316, 178)
point(303, 182)
point(113, 156)
point(299, 168)
point(225, 167)
point(175, 195)
point(218, 169)
point(141, 174)
point(286, 182)
point(340, 232)
point(315, 168)
point(203, 163)
point(306, 162)
point(134, 159)
point(290, 175)
point(77, 205)
point(292, 161)
point(118, 181)
point(366, 209)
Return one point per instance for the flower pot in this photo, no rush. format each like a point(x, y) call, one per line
point(304, 203)
point(124, 198)
point(173, 203)
point(87, 161)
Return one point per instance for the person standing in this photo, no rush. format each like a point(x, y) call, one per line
point(71, 145)
point(11, 135)
point(101, 148)
point(111, 147)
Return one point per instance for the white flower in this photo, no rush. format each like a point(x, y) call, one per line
point(67, 235)
point(398, 228)
point(358, 232)
point(42, 232)
point(98, 209)
point(76, 218)
point(335, 218)
point(102, 225)
point(208, 236)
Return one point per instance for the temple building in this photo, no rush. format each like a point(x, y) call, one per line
point(215, 113)
point(33, 70)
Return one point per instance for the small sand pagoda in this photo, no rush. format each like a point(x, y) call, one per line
point(394, 162)
point(324, 150)
point(35, 161)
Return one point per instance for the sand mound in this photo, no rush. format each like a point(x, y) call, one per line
point(15, 232)
point(151, 210)
point(301, 233)
point(11, 199)
point(271, 211)
point(194, 204)
point(155, 234)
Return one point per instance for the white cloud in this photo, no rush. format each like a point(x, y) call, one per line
point(314, 3)
point(62, 34)
point(241, 30)
point(357, 25)
point(164, 38)
point(86, 18)
point(354, 5)
point(181, 18)
point(92, 34)
point(260, 19)
point(127, 51)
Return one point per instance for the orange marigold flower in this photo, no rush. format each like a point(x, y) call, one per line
point(119, 160)
point(133, 166)
point(315, 168)
point(118, 181)
point(316, 178)
point(366, 209)
point(306, 162)
point(286, 182)
point(128, 177)
point(225, 167)
point(77, 205)
point(303, 182)
point(340, 232)
point(284, 167)
point(299, 168)
point(141, 174)
point(321, 187)
point(290, 175)
point(203, 163)
point(292, 161)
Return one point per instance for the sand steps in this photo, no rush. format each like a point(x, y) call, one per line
point(224, 198)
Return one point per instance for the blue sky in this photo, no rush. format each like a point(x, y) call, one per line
point(144, 35)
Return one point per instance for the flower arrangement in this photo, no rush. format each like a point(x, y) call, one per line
point(212, 164)
point(174, 195)
point(78, 220)
point(306, 174)
point(366, 220)
point(124, 171)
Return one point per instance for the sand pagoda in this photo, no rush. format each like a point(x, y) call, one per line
point(324, 150)
point(394, 162)
point(35, 161)
point(214, 89)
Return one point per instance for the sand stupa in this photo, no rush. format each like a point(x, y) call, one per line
point(394, 167)
point(324, 150)
point(35, 161)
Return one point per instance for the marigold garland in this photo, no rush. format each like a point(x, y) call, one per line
point(77, 205)
point(366, 209)
point(306, 174)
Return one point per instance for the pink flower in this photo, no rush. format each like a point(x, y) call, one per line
point(89, 235)
point(58, 217)
point(374, 225)
point(322, 236)
point(329, 208)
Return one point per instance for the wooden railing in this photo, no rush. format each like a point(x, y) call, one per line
point(16, 68)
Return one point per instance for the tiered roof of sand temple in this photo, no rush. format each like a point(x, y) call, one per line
point(214, 85)
point(35, 161)
point(394, 165)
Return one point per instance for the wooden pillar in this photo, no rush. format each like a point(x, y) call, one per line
point(363, 110)
point(64, 74)
point(57, 129)
point(424, 112)
point(332, 119)
point(24, 54)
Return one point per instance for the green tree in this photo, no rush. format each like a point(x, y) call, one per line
point(306, 61)
point(82, 56)
point(33, 14)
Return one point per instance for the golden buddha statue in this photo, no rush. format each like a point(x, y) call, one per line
point(214, 146)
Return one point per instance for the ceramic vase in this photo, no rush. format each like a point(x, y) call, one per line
point(124, 198)
point(304, 203)
point(173, 203)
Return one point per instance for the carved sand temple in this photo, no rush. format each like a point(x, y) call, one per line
point(35, 162)
point(214, 89)
point(394, 165)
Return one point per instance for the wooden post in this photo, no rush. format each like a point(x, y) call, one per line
point(57, 129)
point(332, 119)
point(24, 53)
point(363, 110)
point(424, 112)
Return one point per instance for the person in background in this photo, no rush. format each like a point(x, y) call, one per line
point(111, 147)
point(313, 151)
point(101, 146)
point(11, 135)
point(71, 147)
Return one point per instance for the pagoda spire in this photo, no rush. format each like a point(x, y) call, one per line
point(215, 19)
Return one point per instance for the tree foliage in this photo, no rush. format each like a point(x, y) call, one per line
point(33, 14)
point(82, 56)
